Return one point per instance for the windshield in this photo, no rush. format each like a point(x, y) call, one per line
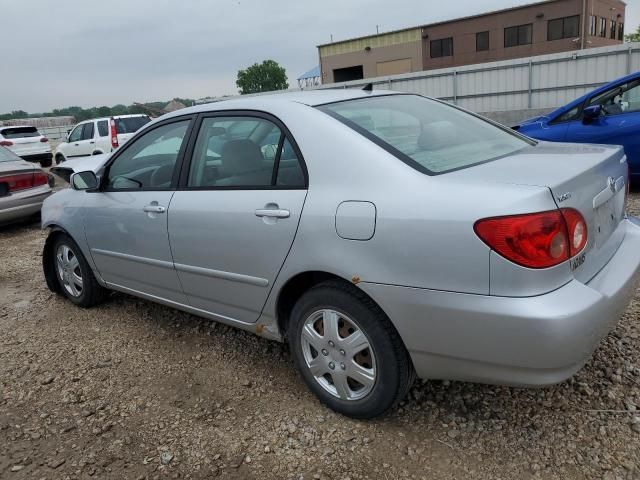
point(130, 124)
point(20, 132)
point(431, 136)
point(7, 155)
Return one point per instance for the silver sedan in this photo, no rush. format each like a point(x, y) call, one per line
point(382, 235)
point(23, 187)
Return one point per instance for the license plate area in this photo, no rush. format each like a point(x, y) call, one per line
point(607, 217)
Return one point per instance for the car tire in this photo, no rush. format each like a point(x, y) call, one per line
point(371, 378)
point(59, 159)
point(74, 275)
point(46, 163)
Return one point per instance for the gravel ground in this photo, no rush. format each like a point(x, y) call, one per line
point(136, 390)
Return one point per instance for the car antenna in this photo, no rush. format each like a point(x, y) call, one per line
point(368, 87)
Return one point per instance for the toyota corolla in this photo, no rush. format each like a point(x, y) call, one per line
point(383, 235)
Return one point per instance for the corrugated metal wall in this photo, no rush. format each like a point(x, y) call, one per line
point(545, 81)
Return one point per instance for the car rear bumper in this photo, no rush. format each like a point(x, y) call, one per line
point(529, 341)
point(22, 204)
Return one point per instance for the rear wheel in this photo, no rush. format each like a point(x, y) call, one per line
point(74, 275)
point(347, 351)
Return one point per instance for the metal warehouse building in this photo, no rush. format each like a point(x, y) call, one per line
point(546, 27)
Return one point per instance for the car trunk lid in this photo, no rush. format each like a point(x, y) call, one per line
point(589, 178)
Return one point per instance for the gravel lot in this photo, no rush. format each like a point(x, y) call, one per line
point(136, 390)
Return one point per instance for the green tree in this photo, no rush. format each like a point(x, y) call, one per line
point(633, 37)
point(104, 111)
point(262, 77)
point(119, 109)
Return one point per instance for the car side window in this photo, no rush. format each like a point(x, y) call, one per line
point(149, 162)
point(620, 99)
point(243, 152)
point(567, 116)
point(87, 131)
point(290, 173)
point(76, 134)
point(103, 128)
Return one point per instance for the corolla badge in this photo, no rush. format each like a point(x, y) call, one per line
point(564, 197)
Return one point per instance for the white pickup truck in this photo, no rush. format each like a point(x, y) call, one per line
point(98, 136)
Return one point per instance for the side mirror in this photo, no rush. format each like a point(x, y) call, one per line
point(591, 113)
point(84, 181)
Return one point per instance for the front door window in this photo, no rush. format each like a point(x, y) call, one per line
point(149, 162)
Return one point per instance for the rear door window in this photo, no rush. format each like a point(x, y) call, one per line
point(244, 152)
point(7, 155)
point(103, 128)
point(20, 132)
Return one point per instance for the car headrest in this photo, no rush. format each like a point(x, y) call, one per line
point(241, 156)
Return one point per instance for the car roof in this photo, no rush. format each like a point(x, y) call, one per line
point(311, 98)
point(98, 119)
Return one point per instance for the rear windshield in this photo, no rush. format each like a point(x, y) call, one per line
point(429, 135)
point(19, 132)
point(7, 155)
point(130, 124)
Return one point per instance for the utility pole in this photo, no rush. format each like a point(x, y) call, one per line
point(377, 29)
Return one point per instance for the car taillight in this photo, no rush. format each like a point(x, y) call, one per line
point(24, 181)
point(44, 139)
point(577, 229)
point(40, 178)
point(114, 134)
point(6, 143)
point(535, 240)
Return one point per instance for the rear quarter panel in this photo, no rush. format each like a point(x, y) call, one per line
point(424, 227)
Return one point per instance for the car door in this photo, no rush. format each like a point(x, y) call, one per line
point(103, 142)
point(126, 227)
point(86, 145)
point(234, 218)
point(74, 140)
point(619, 123)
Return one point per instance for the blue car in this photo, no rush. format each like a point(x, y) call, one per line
point(609, 115)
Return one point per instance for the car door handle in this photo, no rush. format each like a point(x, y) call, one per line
point(92, 143)
point(154, 209)
point(273, 213)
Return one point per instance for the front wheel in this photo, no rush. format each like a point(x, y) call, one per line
point(74, 275)
point(348, 352)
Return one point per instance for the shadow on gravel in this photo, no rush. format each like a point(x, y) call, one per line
point(21, 226)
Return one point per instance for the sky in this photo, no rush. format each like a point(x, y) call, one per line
point(93, 53)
